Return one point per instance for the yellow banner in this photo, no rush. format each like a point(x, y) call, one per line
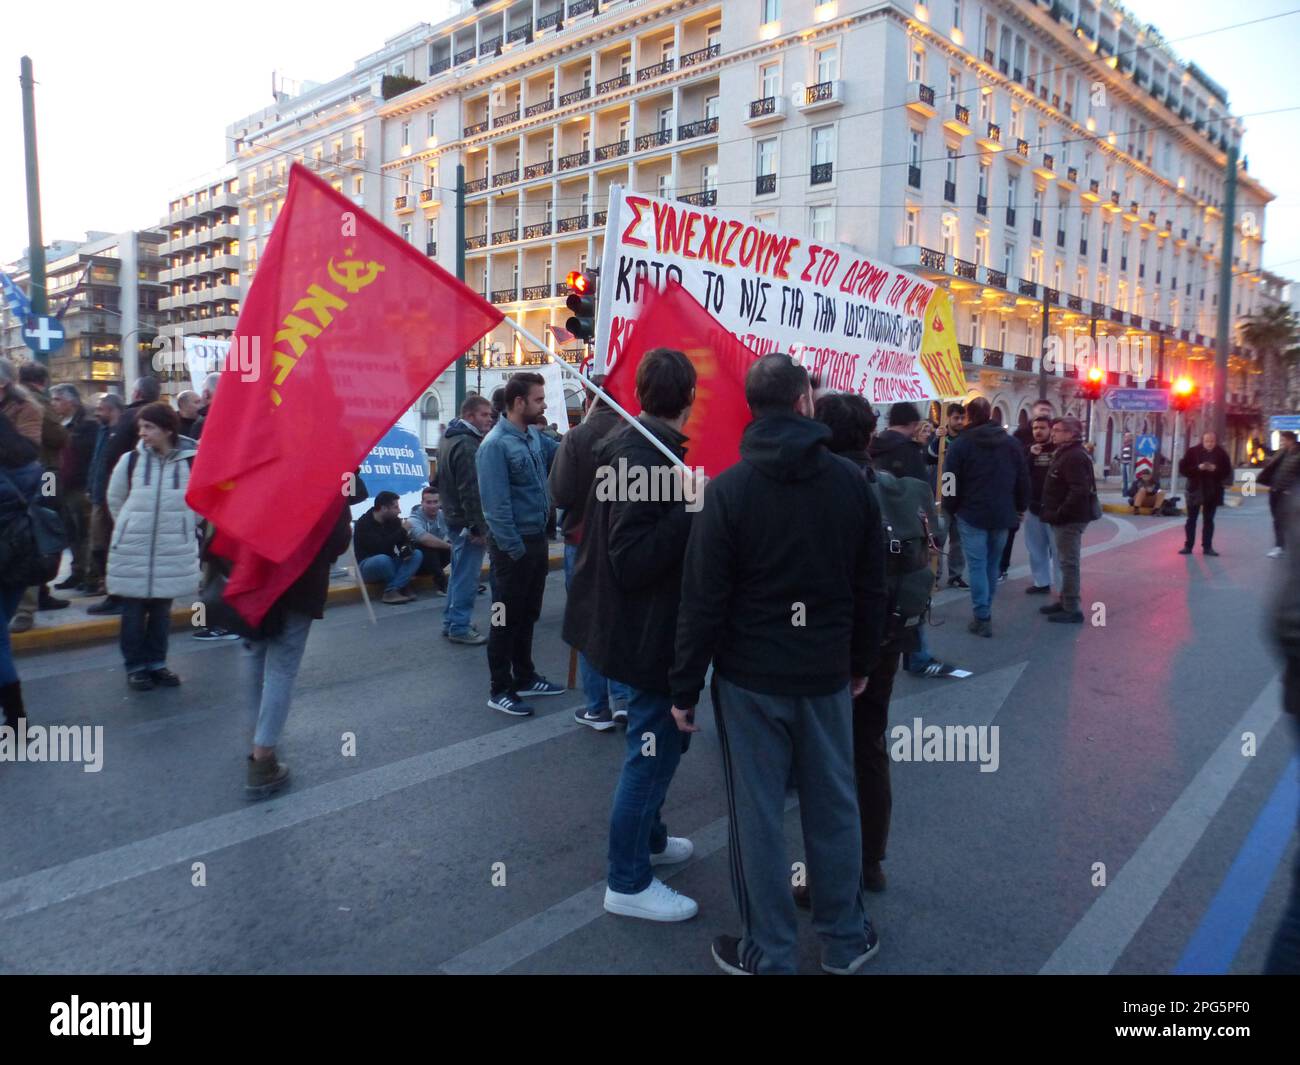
point(939, 354)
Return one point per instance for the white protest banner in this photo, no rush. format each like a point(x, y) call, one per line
point(203, 356)
point(556, 410)
point(861, 325)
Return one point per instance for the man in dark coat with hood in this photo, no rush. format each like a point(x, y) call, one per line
point(463, 510)
point(1066, 507)
point(786, 596)
point(1207, 469)
point(621, 614)
point(986, 487)
point(896, 450)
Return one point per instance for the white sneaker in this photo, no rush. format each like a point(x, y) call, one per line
point(1277, 552)
point(678, 850)
point(658, 902)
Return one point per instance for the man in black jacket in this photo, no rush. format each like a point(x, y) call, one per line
point(1207, 469)
point(74, 465)
point(784, 581)
point(622, 612)
point(461, 506)
point(384, 551)
point(896, 450)
point(1067, 508)
point(1039, 450)
point(986, 487)
point(573, 472)
point(1280, 475)
point(1024, 435)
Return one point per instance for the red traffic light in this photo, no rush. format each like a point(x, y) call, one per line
point(1096, 375)
point(578, 282)
point(1184, 393)
point(1093, 381)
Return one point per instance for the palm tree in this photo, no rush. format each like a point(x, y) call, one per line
point(1271, 332)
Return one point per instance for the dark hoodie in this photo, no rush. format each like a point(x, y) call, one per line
point(784, 575)
point(458, 477)
point(621, 610)
point(990, 479)
point(894, 453)
point(574, 467)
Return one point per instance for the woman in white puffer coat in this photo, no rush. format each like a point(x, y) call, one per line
point(153, 557)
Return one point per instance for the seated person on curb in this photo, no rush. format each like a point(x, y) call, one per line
point(428, 531)
point(1145, 491)
point(384, 551)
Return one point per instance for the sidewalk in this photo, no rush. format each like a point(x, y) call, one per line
point(73, 627)
point(1113, 501)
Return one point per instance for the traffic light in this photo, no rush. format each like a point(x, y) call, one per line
point(1183, 394)
point(1093, 381)
point(582, 303)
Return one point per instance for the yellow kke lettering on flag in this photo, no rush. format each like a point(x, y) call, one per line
point(940, 356)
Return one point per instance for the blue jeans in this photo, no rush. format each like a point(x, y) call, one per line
point(916, 661)
point(9, 596)
point(462, 585)
point(387, 569)
point(635, 828)
point(983, 550)
point(146, 625)
point(599, 689)
point(1042, 552)
point(273, 669)
point(1125, 475)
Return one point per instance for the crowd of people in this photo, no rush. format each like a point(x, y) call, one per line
point(801, 575)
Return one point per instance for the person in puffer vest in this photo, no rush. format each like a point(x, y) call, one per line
point(153, 557)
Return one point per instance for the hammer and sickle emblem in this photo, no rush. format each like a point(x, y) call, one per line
point(354, 275)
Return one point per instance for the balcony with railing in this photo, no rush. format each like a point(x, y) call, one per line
point(707, 198)
point(506, 119)
point(993, 358)
point(821, 173)
point(581, 7)
point(491, 46)
point(402, 203)
point(950, 191)
point(1060, 238)
point(539, 108)
point(463, 56)
point(438, 66)
point(505, 236)
point(1011, 216)
point(504, 295)
point(611, 151)
point(700, 128)
point(571, 224)
point(765, 184)
point(520, 33)
point(537, 292)
point(1027, 288)
point(655, 70)
point(1074, 303)
point(654, 140)
point(431, 248)
point(914, 176)
point(506, 177)
point(934, 260)
point(536, 170)
point(477, 185)
point(576, 96)
point(575, 159)
point(475, 128)
point(823, 94)
point(966, 353)
point(1036, 227)
point(701, 55)
point(996, 278)
point(547, 21)
point(476, 242)
point(1024, 363)
point(622, 81)
point(981, 205)
point(537, 229)
point(964, 268)
point(599, 218)
point(428, 195)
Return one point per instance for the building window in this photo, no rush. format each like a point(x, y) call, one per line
point(956, 14)
point(911, 226)
point(823, 145)
point(406, 232)
point(916, 67)
point(711, 107)
point(1009, 260)
point(954, 86)
point(771, 10)
point(709, 177)
point(358, 185)
point(976, 333)
point(767, 156)
point(827, 63)
point(950, 167)
point(769, 77)
point(432, 124)
point(664, 187)
point(665, 119)
point(914, 149)
point(820, 224)
point(406, 134)
point(986, 105)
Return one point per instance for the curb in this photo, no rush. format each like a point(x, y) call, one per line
point(83, 633)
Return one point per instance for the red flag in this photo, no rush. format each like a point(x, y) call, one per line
point(562, 336)
point(673, 318)
point(344, 327)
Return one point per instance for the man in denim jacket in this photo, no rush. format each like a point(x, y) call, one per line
point(512, 464)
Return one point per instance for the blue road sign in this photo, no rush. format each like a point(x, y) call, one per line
point(1145, 445)
point(1138, 399)
point(1279, 422)
point(43, 335)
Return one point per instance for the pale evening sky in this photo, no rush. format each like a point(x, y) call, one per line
point(132, 103)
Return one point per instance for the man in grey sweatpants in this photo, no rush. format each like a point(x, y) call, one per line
point(783, 590)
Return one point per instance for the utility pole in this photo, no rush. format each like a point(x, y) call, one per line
point(36, 249)
point(460, 274)
point(1220, 422)
point(1042, 354)
point(1160, 383)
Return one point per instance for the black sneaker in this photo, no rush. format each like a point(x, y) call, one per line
point(213, 635)
point(599, 720)
point(1038, 589)
point(510, 703)
point(1186, 550)
point(1052, 608)
point(934, 668)
point(1002, 577)
point(957, 582)
point(71, 582)
point(619, 714)
point(1209, 551)
point(49, 602)
point(1069, 617)
point(165, 677)
point(726, 952)
point(873, 947)
point(111, 605)
point(140, 681)
point(541, 686)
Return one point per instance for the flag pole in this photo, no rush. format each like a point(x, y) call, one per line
point(605, 396)
point(365, 592)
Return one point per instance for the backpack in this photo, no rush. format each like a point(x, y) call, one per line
point(906, 517)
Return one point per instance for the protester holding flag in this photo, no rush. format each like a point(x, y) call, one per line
point(154, 555)
point(622, 614)
point(512, 465)
point(785, 594)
